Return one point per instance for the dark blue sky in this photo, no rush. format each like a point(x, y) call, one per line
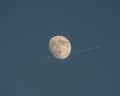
point(27, 67)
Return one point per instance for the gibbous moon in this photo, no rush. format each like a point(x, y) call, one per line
point(60, 47)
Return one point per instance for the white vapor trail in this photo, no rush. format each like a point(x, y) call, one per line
point(84, 50)
point(51, 57)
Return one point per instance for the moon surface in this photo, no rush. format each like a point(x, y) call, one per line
point(60, 47)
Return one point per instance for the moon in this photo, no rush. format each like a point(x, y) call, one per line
point(60, 47)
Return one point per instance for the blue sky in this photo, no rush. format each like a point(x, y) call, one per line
point(27, 67)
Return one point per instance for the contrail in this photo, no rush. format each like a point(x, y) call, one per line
point(79, 51)
point(84, 50)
